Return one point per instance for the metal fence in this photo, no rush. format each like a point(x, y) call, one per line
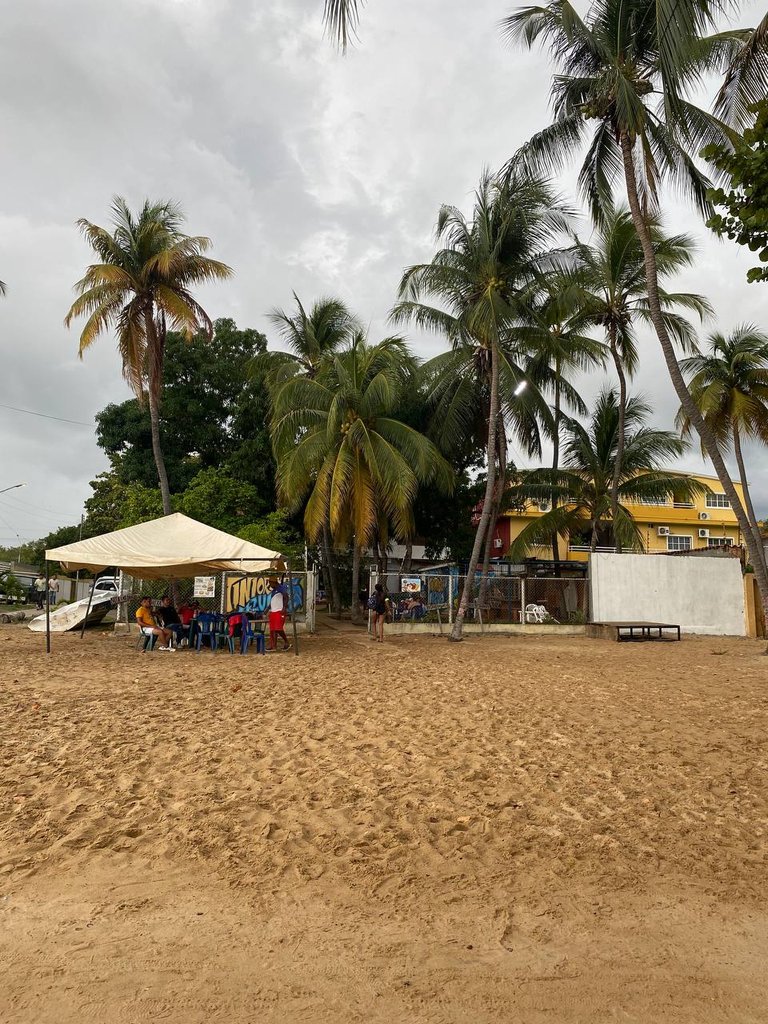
point(494, 599)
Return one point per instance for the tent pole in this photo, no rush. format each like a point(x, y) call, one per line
point(47, 612)
point(88, 610)
point(290, 605)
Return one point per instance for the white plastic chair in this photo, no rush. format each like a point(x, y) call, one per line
point(536, 613)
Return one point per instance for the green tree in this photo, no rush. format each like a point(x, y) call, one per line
point(729, 384)
point(481, 278)
point(143, 283)
point(745, 201)
point(629, 70)
point(583, 483)
point(217, 499)
point(276, 532)
point(611, 290)
point(214, 414)
point(340, 449)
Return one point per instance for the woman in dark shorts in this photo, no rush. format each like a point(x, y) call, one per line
point(379, 612)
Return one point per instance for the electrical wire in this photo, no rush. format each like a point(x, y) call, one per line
point(46, 416)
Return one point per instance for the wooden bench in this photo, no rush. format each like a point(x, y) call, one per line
point(625, 632)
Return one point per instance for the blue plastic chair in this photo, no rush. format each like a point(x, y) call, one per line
point(223, 634)
point(253, 632)
point(207, 625)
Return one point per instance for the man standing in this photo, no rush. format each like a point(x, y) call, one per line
point(53, 591)
point(277, 604)
point(39, 589)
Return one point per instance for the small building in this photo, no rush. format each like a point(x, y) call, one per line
point(675, 524)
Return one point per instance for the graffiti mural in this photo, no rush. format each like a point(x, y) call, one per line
point(252, 594)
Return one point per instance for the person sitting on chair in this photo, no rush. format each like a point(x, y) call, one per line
point(414, 608)
point(149, 627)
point(169, 617)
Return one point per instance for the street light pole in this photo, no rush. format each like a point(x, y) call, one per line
point(18, 538)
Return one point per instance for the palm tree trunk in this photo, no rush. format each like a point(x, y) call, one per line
point(155, 346)
point(485, 515)
point(745, 488)
point(690, 408)
point(408, 557)
point(617, 466)
point(331, 573)
point(356, 615)
point(556, 466)
point(498, 495)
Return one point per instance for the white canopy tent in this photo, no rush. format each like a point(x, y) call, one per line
point(172, 547)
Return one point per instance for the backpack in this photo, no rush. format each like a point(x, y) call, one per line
point(371, 603)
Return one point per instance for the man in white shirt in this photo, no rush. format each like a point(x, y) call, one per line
point(277, 615)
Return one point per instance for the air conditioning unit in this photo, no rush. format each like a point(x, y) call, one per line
point(703, 534)
point(703, 515)
point(545, 506)
point(497, 542)
point(663, 531)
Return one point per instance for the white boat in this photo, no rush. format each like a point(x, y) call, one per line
point(71, 616)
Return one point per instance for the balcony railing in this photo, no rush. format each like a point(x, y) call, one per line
point(587, 548)
point(664, 504)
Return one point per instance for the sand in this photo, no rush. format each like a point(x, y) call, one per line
point(510, 829)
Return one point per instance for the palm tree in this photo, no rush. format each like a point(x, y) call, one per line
point(339, 447)
point(312, 338)
point(141, 288)
point(341, 18)
point(611, 289)
point(730, 386)
point(583, 484)
point(629, 68)
point(557, 345)
point(481, 277)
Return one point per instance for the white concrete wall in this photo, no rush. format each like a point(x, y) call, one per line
point(702, 595)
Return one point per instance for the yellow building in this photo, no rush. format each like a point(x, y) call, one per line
point(673, 525)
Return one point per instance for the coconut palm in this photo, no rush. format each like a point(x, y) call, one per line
point(628, 69)
point(481, 277)
point(729, 384)
point(583, 483)
point(341, 18)
point(141, 287)
point(611, 290)
point(558, 344)
point(340, 449)
point(311, 338)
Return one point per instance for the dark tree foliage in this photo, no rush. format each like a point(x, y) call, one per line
point(745, 200)
point(212, 416)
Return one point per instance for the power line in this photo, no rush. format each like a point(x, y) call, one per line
point(45, 416)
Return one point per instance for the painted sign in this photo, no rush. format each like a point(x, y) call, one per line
point(410, 584)
point(205, 586)
point(253, 593)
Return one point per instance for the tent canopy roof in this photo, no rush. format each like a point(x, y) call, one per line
point(172, 546)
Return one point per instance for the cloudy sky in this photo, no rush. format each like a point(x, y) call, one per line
point(311, 171)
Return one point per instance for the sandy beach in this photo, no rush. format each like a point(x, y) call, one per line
point(509, 829)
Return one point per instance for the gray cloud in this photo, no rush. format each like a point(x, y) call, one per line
point(310, 171)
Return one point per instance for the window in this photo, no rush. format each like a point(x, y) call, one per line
point(717, 501)
point(719, 542)
point(679, 543)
